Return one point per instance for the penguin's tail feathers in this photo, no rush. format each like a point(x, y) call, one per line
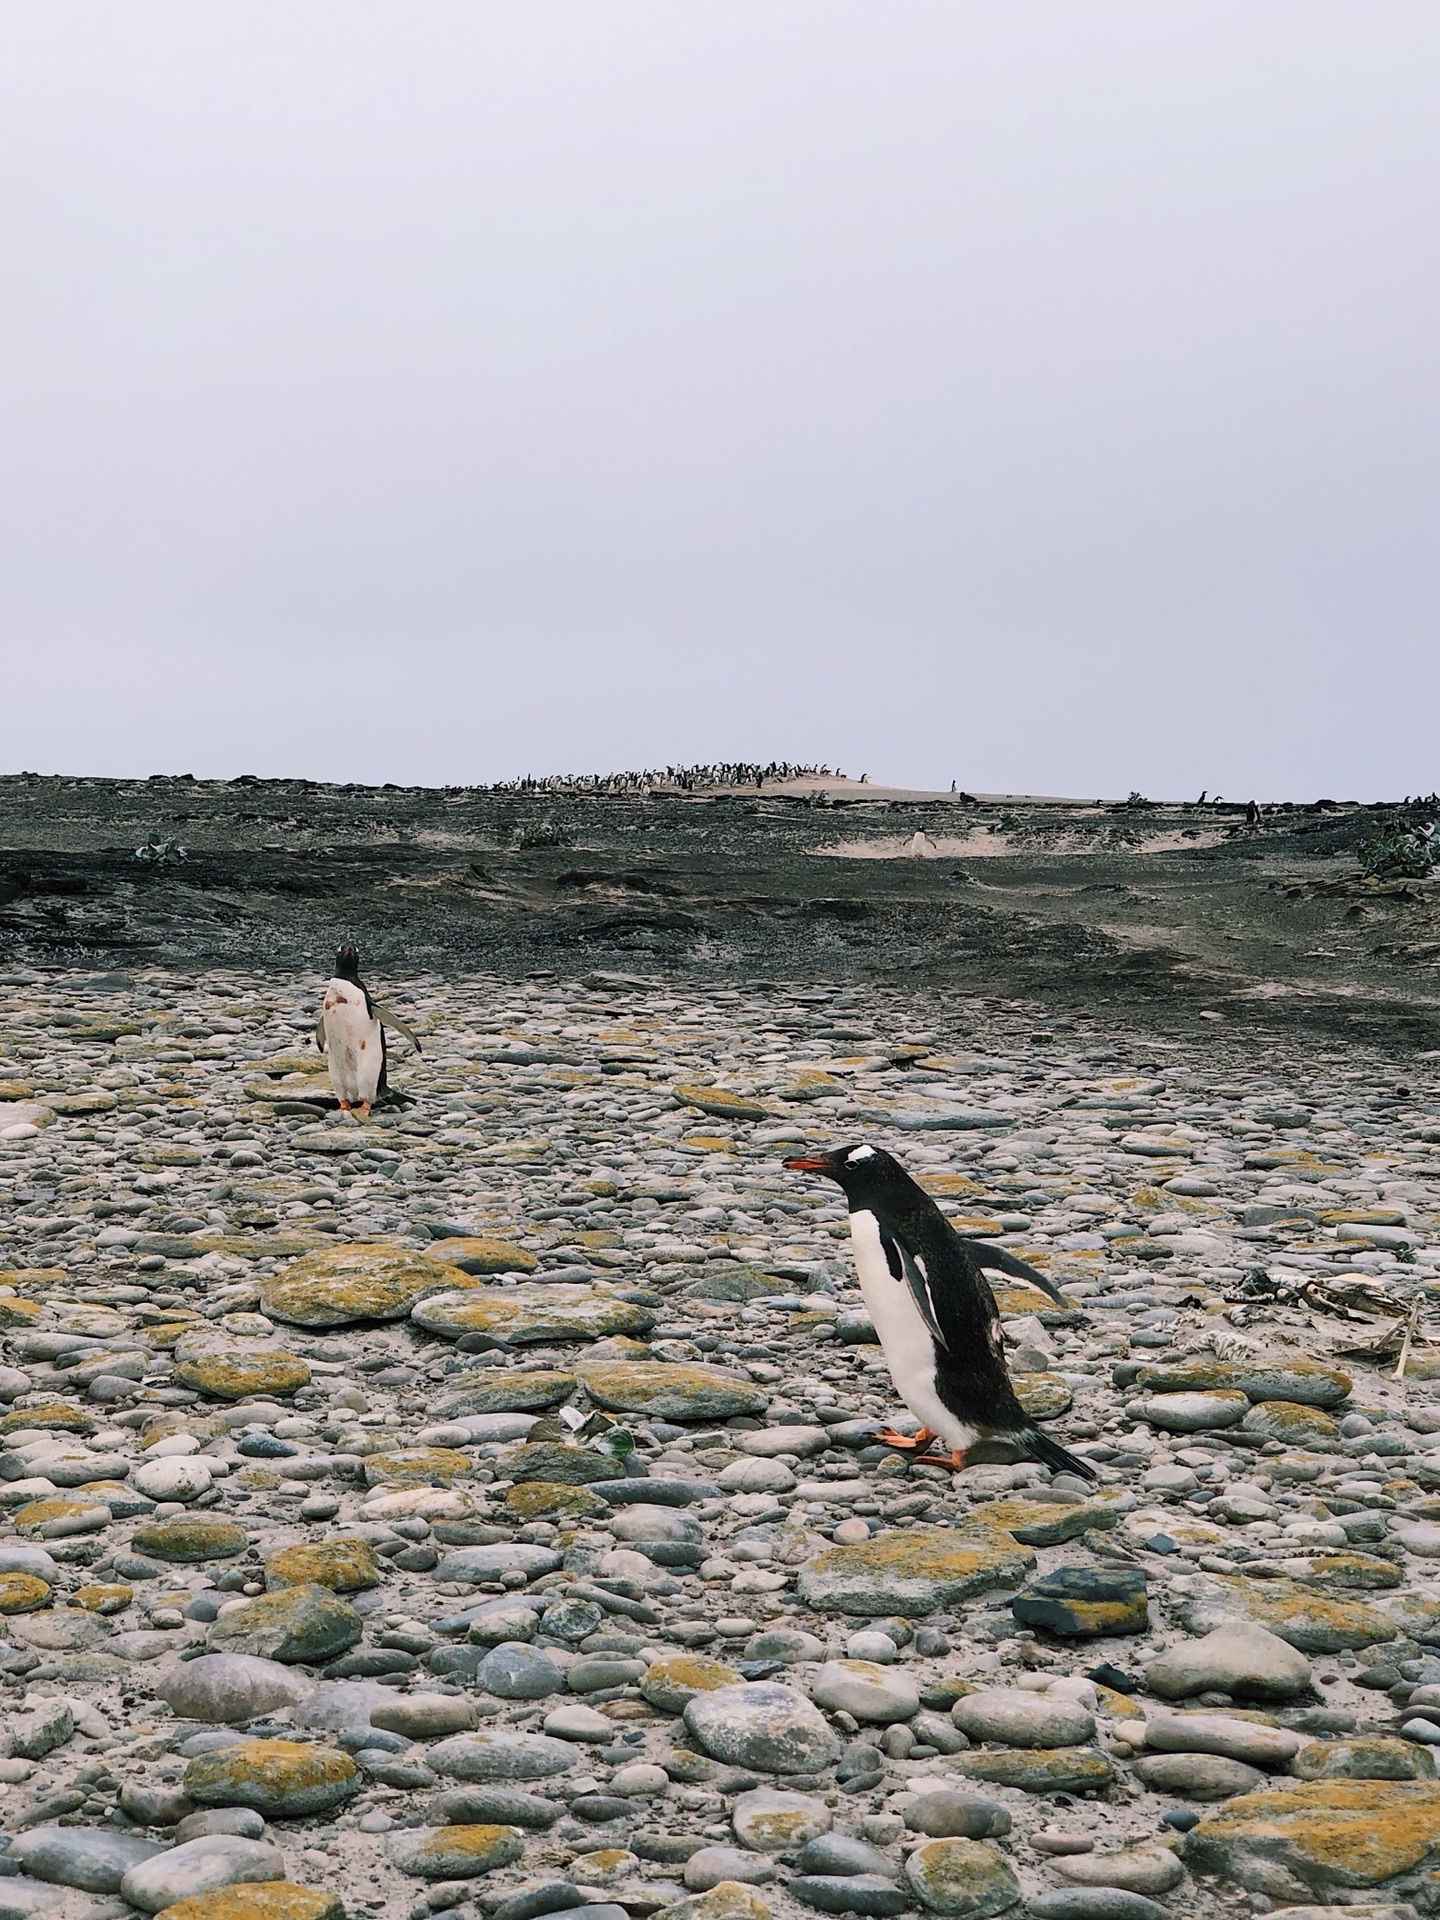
point(1051, 1454)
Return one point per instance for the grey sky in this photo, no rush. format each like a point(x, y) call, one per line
point(1040, 394)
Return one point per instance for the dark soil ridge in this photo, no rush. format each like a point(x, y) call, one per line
point(1269, 925)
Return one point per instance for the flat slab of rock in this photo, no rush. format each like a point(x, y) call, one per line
point(336, 1286)
point(1042, 1770)
point(1313, 1622)
point(528, 1314)
point(1044, 1523)
point(280, 1779)
point(917, 1570)
point(517, 1391)
point(1310, 1839)
point(231, 1369)
point(670, 1392)
point(1083, 1602)
point(1306, 1381)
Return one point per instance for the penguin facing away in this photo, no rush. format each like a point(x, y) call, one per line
point(934, 1313)
point(351, 1034)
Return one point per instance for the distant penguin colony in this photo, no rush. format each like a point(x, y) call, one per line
point(934, 1313)
point(351, 1034)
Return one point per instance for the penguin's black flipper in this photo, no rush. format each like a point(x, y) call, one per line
point(320, 1033)
point(984, 1255)
point(904, 1266)
point(1051, 1454)
point(388, 1019)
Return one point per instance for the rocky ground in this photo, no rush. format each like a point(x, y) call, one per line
point(1160, 917)
point(478, 1509)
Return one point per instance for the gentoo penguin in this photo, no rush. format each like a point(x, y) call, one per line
point(934, 1312)
point(351, 1033)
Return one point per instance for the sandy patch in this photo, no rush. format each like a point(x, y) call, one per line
point(983, 845)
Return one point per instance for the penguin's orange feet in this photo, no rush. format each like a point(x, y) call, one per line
point(364, 1109)
point(950, 1462)
point(887, 1437)
point(344, 1106)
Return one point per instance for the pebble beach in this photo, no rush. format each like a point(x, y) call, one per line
point(478, 1509)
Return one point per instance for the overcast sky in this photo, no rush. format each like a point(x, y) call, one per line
point(1039, 394)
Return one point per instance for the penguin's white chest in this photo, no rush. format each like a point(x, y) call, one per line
point(905, 1340)
point(354, 1045)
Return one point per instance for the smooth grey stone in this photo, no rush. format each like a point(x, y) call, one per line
point(20, 1897)
point(1020, 1719)
point(653, 1492)
point(232, 1687)
point(839, 1853)
point(951, 1814)
point(708, 1866)
point(202, 1865)
point(486, 1806)
point(600, 1807)
point(1244, 1660)
point(501, 1753)
point(850, 1893)
point(1095, 1903)
point(516, 1671)
point(547, 1896)
point(92, 1858)
point(154, 1804)
point(593, 1671)
point(762, 1725)
point(17, 1559)
point(209, 1742)
point(783, 1643)
point(478, 1564)
point(1198, 1776)
point(600, 1910)
point(373, 1740)
point(242, 1820)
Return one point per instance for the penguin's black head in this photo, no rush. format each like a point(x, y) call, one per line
point(347, 965)
point(867, 1174)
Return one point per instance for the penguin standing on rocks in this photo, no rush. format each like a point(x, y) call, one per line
point(351, 1034)
point(934, 1313)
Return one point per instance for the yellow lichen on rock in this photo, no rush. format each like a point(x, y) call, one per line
point(344, 1566)
point(336, 1285)
point(1311, 1838)
point(676, 1678)
point(417, 1467)
point(24, 1592)
point(259, 1900)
